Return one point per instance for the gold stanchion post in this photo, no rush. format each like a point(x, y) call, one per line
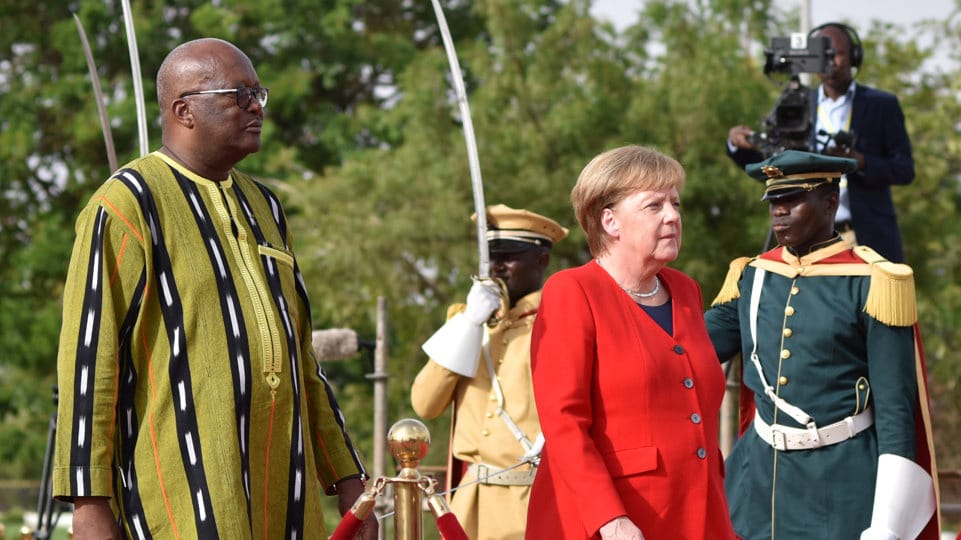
point(408, 441)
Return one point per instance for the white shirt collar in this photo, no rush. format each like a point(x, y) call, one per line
point(848, 96)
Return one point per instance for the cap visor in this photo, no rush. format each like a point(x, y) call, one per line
point(773, 195)
point(508, 246)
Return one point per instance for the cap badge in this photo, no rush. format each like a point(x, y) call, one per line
point(772, 172)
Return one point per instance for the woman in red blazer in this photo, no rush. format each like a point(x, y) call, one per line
point(626, 381)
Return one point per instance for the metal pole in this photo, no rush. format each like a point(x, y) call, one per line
point(805, 29)
point(408, 441)
point(729, 409)
point(46, 514)
point(380, 389)
point(805, 16)
point(380, 376)
point(408, 518)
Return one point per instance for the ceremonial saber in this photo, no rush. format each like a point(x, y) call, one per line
point(137, 78)
point(477, 184)
point(98, 95)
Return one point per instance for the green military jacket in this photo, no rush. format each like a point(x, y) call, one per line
point(834, 336)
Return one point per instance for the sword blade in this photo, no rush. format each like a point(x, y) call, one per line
point(98, 96)
point(477, 183)
point(137, 78)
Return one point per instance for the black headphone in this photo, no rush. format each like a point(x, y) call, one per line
point(857, 51)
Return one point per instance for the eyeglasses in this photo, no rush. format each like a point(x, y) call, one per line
point(244, 95)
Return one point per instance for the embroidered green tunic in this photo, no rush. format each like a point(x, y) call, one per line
point(189, 393)
point(823, 349)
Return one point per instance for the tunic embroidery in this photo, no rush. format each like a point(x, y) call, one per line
point(204, 447)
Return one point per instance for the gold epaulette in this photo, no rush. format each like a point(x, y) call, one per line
point(891, 297)
point(729, 290)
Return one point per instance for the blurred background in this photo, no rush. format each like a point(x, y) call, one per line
point(363, 142)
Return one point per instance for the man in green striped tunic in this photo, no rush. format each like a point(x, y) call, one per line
point(191, 405)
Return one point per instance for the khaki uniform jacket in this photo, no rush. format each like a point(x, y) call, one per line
point(480, 435)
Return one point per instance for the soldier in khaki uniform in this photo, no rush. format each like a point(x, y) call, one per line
point(484, 371)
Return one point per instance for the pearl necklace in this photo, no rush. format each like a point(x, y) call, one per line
point(633, 293)
point(648, 294)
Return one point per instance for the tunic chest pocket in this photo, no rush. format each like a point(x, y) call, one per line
point(278, 254)
point(632, 461)
point(279, 264)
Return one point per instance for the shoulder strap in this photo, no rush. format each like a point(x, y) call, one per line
point(796, 413)
point(496, 386)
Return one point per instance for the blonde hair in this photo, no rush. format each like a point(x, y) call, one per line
point(614, 175)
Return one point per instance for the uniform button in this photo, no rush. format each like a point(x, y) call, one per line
point(782, 380)
point(789, 311)
point(493, 397)
point(678, 349)
point(485, 432)
point(490, 414)
point(795, 290)
point(785, 354)
point(787, 332)
point(688, 383)
point(696, 418)
point(701, 453)
point(862, 386)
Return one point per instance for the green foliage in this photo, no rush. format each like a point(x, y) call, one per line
point(364, 143)
point(27, 410)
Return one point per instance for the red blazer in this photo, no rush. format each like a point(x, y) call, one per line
point(630, 414)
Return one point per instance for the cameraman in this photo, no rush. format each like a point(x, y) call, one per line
point(880, 144)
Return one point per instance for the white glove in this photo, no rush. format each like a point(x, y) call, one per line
point(878, 533)
point(483, 300)
point(620, 528)
point(904, 500)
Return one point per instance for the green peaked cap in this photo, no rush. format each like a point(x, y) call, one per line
point(794, 171)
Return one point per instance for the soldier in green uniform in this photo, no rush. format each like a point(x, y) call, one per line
point(835, 429)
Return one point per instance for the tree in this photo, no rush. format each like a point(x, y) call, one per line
point(327, 59)
point(545, 100)
point(363, 142)
point(406, 206)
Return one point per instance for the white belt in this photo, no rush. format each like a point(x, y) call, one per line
point(494, 476)
point(791, 438)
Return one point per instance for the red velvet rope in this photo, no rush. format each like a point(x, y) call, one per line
point(450, 528)
point(447, 525)
point(348, 527)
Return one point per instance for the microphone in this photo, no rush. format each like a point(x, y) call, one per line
point(337, 344)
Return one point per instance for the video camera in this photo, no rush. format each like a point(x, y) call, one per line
point(789, 124)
